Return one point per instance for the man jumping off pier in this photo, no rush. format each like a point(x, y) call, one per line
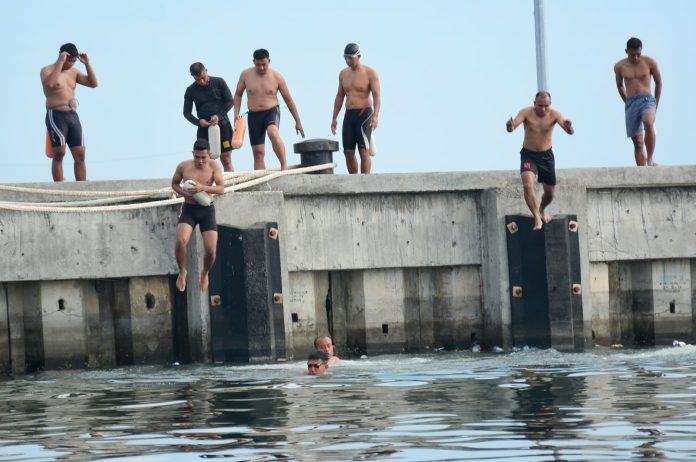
point(536, 156)
point(200, 175)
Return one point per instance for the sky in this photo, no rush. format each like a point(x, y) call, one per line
point(451, 72)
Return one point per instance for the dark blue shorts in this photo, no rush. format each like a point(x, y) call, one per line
point(357, 128)
point(64, 128)
point(259, 122)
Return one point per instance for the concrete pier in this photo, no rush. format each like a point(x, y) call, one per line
point(385, 263)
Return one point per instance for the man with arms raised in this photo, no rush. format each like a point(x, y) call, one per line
point(536, 155)
point(200, 175)
point(262, 85)
point(59, 81)
point(633, 75)
point(213, 100)
point(355, 83)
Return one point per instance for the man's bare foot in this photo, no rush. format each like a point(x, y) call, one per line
point(181, 281)
point(538, 223)
point(545, 217)
point(203, 285)
point(652, 163)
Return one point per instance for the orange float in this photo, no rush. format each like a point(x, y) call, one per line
point(239, 130)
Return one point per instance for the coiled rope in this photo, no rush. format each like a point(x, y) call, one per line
point(234, 181)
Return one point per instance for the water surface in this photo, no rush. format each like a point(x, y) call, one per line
point(523, 406)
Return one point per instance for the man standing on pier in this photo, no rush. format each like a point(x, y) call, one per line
point(262, 85)
point(59, 81)
point(633, 75)
point(213, 100)
point(536, 156)
point(200, 175)
point(355, 83)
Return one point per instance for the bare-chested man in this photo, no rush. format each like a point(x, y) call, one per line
point(199, 175)
point(262, 85)
point(325, 344)
point(633, 75)
point(59, 81)
point(536, 155)
point(355, 83)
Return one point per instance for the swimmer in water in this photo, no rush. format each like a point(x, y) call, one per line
point(325, 344)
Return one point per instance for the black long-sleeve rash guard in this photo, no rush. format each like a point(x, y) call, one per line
point(214, 98)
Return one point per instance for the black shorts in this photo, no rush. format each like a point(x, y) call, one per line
point(201, 215)
point(225, 134)
point(356, 128)
point(64, 128)
point(541, 163)
point(259, 121)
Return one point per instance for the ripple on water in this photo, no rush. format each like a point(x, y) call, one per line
point(528, 405)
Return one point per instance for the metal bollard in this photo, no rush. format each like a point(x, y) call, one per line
point(316, 152)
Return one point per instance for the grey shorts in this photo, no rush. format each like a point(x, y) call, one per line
point(636, 107)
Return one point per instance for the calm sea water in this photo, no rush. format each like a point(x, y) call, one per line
point(524, 406)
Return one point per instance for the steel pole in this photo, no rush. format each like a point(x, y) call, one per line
point(540, 35)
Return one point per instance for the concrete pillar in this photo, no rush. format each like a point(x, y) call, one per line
point(383, 311)
point(349, 312)
point(63, 318)
point(600, 317)
point(306, 301)
point(620, 303)
point(5, 364)
point(151, 320)
point(99, 326)
point(418, 309)
point(26, 333)
point(693, 301)
point(197, 304)
point(672, 300)
point(456, 306)
point(642, 303)
point(495, 283)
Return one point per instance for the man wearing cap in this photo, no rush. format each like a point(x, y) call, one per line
point(200, 175)
point(59, 81)
point(355, 83)
point(262, 85)
point(213, 100)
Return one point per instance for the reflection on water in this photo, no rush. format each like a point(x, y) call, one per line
point(524, 406)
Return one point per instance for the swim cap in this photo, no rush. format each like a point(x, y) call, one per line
point(70, 48)
point(201, 144)
point(351, 49)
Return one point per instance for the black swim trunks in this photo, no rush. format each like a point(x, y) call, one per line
point(541, 163)
point(225, 134)
point(64, 128)
point(201, 215)
point(357, 127)
point(259, 121)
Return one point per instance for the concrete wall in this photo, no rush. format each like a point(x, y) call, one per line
point(409, 262)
